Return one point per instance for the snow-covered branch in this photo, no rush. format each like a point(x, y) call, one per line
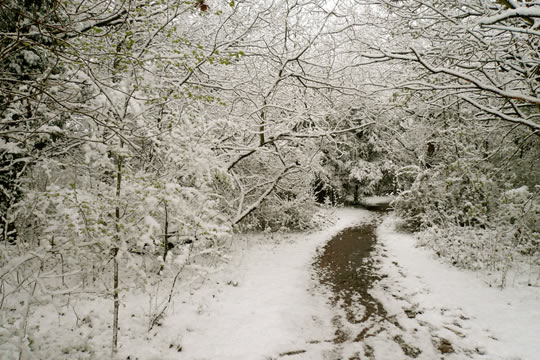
point(263, 196)
point(523, 12)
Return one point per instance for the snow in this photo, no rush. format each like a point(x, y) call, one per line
point(267, 309)
point(377, 200)
point(266, 303)
point(496, 324)
point(267, 306)
point(518, 12)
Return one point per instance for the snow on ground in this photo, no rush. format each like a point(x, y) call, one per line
point(265, 303)
point(269, 311)
point(377, 200)
point(261, 304)
point(444, 309)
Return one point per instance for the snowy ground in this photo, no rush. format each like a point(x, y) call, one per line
point(377, 200)
point(438, 307)
point(267, 304)
point(274, 308)
point(434, 311)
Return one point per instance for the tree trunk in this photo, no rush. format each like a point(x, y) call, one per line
point(115, 249)
point(165, 237)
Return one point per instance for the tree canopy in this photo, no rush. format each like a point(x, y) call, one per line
point(135, 129)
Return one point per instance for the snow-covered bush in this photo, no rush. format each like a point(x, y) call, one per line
point(283, 215)
point(290, 205)
point(362, 165)
point(375, 177)
point(468, 247)
point(518, 217)
point(458, 194)
point(468, 218)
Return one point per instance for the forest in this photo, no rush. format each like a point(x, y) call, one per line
point(140, 138)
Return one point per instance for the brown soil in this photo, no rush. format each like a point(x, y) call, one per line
point(346, 267)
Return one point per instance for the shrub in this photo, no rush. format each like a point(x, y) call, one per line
point(467, 217)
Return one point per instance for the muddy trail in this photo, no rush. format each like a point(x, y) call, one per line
point(348, 266)
point(345, 266)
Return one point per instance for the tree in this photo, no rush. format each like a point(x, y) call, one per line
point(470, 91)
point(82, 154)
point(157, 124)
point(481, 55)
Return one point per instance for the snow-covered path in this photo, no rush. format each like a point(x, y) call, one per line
point(269, 309)
point(266, 302)
point(269, 305)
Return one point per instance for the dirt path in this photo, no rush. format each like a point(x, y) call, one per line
point(377, 318)
point(345, 265)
